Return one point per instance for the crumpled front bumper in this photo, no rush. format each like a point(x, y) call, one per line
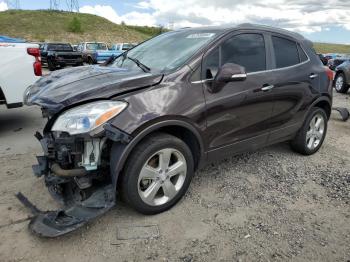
point(74, 213)
point(60, 222)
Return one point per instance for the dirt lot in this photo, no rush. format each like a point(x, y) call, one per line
point(270, 205)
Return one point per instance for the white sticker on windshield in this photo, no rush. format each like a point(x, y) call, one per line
point(200, 35)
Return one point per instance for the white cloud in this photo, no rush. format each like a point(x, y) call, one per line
point(306, 16)
point(131, 18)
point(3, 6)
point(137, 18)
point(143, 5)
point(105, 11)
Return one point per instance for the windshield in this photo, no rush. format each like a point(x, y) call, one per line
point(59, 47)
point(167, 51)
point(96, 46)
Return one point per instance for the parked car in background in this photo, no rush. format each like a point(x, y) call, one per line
point(20, 67)
point(342, 77)
point(142, 124)
point(59, 55)
point(96, 52)
point(6, 39)
point(331, 56)
point(122, 46)
point(323, 59)
point(333, 63)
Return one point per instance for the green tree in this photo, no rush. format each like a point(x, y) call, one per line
point(75, 25)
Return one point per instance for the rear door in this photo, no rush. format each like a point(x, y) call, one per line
point(294, 83)
point(237, 114)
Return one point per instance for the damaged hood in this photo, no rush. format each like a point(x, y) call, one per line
point(75, 85)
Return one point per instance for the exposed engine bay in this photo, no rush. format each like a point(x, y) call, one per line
point(77, 173)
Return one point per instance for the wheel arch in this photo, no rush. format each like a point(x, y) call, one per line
point(178, 128)
point(325, 103)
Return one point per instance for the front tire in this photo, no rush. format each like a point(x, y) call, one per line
point(340, 83)
point(310, 137)
point(90, 61)
point(51, 65)
point(157, 174)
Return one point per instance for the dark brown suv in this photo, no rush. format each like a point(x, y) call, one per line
point(141, 124)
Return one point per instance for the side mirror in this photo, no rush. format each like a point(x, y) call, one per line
point(229, 72)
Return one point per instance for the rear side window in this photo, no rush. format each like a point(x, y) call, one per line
point(303, 57)
point(247, 50)
point(286, 52)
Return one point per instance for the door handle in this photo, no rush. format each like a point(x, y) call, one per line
point(313, 76)
point(267, 87)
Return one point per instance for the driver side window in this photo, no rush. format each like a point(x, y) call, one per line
point(247, 50)
point(211, 64)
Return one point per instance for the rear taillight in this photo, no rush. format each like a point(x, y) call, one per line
point(37, 68)
point(33, 51)
point(37, 64)
point(330, 74)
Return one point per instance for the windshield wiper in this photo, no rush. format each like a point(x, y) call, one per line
point(144, 68)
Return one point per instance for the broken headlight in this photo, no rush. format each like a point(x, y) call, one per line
point(85, 118)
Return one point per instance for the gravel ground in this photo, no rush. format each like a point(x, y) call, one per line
point(269, 205)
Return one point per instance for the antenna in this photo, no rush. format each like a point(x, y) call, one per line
point(54, 4)
point(13, 4)
point(73, 5)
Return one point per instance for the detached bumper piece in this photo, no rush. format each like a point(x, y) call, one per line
point(344, 113)
point(57, 223)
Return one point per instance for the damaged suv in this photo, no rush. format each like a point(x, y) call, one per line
point(142, 123)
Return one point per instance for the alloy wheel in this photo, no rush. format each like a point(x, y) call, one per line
point(162, 177)
point(315, 133)
point(339, 82)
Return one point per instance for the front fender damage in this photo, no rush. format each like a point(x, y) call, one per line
point(84, 194)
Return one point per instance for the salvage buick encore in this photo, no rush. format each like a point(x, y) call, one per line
point(142, 123)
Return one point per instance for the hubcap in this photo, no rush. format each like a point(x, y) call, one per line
point(315, 132)
point(162, 177)
point(339, 83)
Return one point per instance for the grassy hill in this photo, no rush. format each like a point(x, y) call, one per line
point(46, 25)
point(331, 48)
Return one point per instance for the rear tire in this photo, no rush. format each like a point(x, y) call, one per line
point(311, 135)
point(157, 174)
point(340, 83)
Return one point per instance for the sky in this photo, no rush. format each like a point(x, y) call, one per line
point(318, 20)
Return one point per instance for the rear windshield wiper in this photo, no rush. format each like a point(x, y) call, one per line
point(145, 68)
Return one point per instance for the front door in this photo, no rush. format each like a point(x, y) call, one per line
point(238, 113)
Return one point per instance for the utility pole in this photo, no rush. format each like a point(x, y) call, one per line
point(73, 5)
point(54, 4)
point(13, 4)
